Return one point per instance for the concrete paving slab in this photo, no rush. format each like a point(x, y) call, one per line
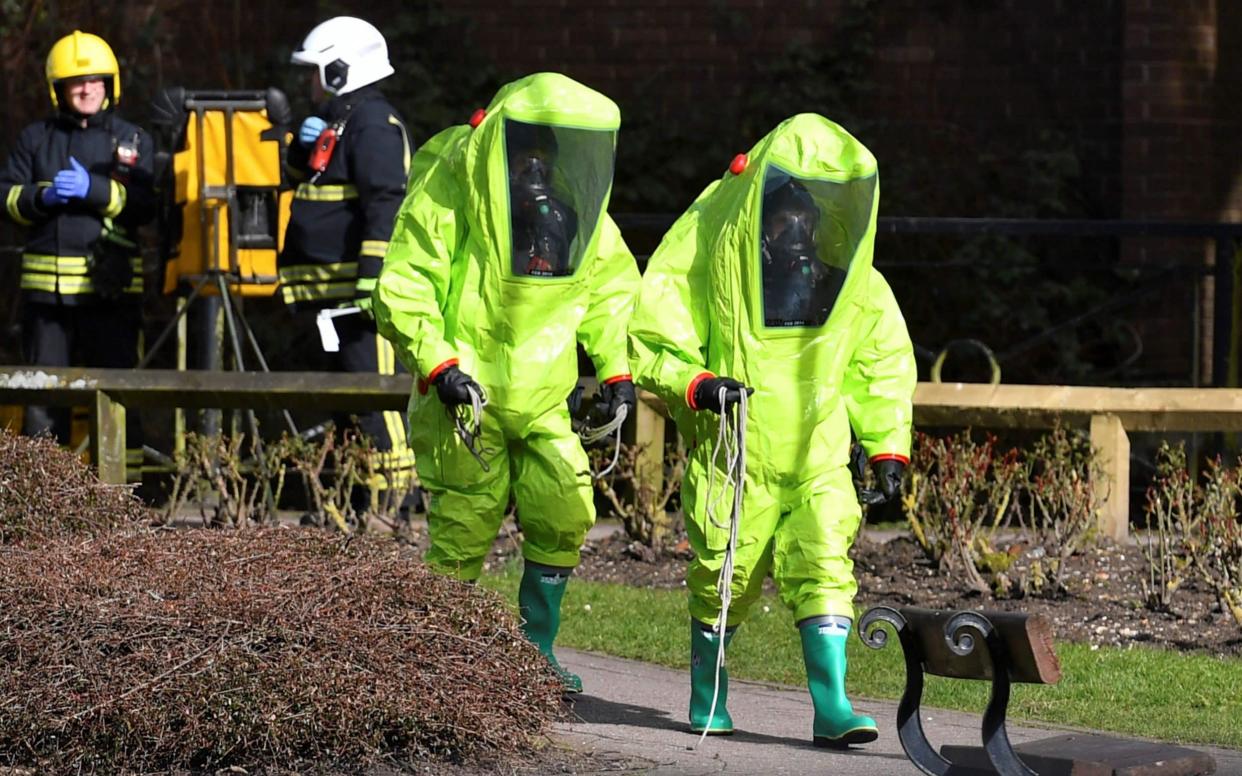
point(632, 717)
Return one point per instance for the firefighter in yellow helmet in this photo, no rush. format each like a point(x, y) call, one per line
point(80, 180)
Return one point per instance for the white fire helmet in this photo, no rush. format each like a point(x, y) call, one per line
point(349, 52)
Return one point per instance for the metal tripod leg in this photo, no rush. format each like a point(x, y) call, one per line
point(258, 354)
point(172, 325)
point(231, 318)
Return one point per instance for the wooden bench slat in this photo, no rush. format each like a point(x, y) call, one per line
point(1027, 639)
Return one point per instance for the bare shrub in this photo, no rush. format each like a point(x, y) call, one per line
point(329, 470)
point(239, 490)
point(960, 493)
point(641, 509)
point(203, 650)
point(1214, 543)
point(47, 491)
point(245, 490)
point(1062, 508)
point(1194, 529)
point(1170, 514)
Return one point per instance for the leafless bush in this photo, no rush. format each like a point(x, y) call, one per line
point(203, 650)
point(47, 491)
point(246, 490)
point(642, 510)
point(1061, 473)
point(960, 493)
point(1193, 529)
point(329, 468)
point(1214, 544)
point(1170, 514)
point(240, 490)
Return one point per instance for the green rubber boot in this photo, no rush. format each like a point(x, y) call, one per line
point(703, 647)
point(539, 602)
point(823, 648)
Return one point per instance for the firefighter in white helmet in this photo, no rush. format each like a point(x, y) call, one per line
point(349, 162)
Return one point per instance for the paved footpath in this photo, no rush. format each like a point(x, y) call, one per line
point(632, 718)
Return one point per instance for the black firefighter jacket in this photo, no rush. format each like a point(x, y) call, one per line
point(342, 218)
point(60, 256)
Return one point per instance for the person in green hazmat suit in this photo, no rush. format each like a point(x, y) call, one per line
point(502, 259)
point(766, 286)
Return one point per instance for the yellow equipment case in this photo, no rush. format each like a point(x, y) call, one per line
point(223, 211)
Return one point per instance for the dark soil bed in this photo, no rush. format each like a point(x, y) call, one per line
point(1104, 605)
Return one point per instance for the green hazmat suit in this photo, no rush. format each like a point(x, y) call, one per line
point(482, 274)
point(838, 357)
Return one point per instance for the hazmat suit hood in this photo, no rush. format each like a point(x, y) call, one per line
point(541, 164)
point(767, 278)
point(503, 257)
point(803, 215)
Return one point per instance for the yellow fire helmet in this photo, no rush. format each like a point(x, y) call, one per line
point(78, 54)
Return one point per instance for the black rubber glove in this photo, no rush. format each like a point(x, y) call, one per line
point(614, 395)
point(451, 385)
point(889, 474)
point(707, 394)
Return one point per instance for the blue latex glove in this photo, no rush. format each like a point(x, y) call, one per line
point(50, 198)
point(310, 130)
point(74, 183)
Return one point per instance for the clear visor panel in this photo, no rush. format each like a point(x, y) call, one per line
point(558, 178)
point(809, 232)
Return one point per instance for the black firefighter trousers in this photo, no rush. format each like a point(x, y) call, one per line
point(93, 334)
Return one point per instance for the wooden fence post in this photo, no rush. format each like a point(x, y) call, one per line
point(108, 438)
point(649, 438)
point(1109, 441)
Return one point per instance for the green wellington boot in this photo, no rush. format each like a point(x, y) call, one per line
point(703, 647)
point(823, 648)
point(539, 602)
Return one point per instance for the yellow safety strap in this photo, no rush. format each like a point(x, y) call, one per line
point(69, 274)
point(325, 193)
point(319, 273)
point(312, 292)
point(39, 282)
point(116, 200)
point(405, 141)
point(10, 203)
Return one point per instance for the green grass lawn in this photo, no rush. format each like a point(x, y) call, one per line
point(1154, 693)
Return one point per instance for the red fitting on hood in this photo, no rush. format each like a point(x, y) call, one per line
point(477, 117)
point(738, 165)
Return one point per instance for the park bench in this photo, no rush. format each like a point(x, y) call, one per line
point(1004, 647)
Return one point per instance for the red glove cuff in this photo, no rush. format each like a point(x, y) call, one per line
point(425, 383)
point(700, 377)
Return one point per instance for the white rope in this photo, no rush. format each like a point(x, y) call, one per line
point(472, 437)
point(731, 439)
point(590, 436)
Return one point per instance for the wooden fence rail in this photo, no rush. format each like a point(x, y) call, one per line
point(1108, 413)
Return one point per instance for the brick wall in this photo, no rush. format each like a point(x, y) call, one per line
point(1180, 155)
point(950, 73)
point(1145, 91)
